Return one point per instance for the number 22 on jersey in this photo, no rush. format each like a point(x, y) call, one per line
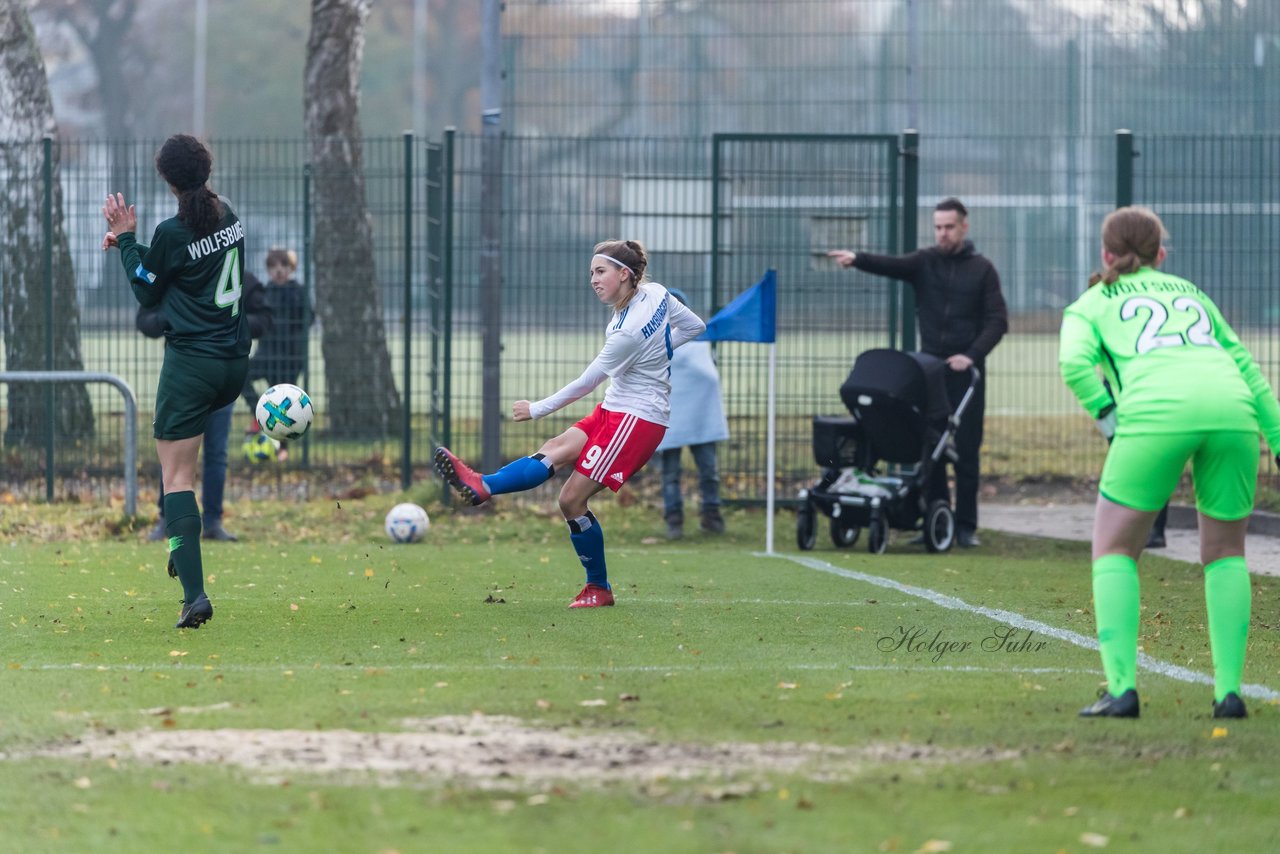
point(1153, 336)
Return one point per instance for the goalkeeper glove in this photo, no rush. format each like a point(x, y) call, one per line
point(1106, 422)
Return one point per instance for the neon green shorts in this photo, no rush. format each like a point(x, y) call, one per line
point(192, 388)
point(1142, 471)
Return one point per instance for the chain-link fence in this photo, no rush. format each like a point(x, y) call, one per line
point(716, 213)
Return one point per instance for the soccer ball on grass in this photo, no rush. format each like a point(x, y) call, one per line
point(284, 411)
point(407, 523)
point(259, 448)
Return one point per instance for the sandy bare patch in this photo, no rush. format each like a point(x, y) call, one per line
point(494, 752)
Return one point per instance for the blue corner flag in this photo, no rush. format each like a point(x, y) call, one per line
point(752, 316)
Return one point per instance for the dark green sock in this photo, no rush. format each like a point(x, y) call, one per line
point(182, 527)
point(1116, 608)
point(1228, 599)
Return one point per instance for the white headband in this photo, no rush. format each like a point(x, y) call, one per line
point(613, 260)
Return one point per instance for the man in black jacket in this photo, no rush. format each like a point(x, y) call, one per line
point(151, 323)
point(962, 316)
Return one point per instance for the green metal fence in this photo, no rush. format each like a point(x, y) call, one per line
point(716, 212)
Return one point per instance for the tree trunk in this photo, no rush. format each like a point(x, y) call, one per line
point(363, 400)
point(26, 117)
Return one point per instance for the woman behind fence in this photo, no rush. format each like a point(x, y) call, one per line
point(1185, 389)
point(193, 268)
point(620, 434)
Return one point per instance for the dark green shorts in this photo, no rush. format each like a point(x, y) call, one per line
point(191, 389)
point(1142, 471)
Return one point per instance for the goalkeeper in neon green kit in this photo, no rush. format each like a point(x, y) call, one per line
point(1185, 388)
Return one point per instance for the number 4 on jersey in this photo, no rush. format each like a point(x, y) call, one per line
point(228, 293)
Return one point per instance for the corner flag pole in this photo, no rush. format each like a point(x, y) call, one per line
point(769, 454)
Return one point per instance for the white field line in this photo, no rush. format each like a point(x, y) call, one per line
point(1009, 618)
point(442, 667)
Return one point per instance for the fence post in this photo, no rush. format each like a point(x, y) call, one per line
point(308, 272)
point(713, 292)
point(46, 225)
point(406, 422)
point(446, 275)
point(1124, 167)
point(490, 267)
point(910, 232)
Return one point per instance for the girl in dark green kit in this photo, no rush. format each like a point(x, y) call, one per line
point(194, 268)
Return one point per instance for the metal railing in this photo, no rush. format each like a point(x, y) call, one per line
point(130, 424)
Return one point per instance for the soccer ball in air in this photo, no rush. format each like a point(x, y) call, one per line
point(260, 448)
point(285, 412)
point(407, 523)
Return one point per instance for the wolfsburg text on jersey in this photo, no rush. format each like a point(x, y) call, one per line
point(221, 238)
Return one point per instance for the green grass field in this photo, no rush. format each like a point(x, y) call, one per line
point(351, 695)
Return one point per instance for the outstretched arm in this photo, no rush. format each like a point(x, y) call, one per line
point(903, 267)
point(576, 390)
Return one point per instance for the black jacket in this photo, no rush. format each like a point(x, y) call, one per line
point(959, 303)
point(253, 300)
point(286, 347)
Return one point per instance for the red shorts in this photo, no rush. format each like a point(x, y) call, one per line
point(617, 446)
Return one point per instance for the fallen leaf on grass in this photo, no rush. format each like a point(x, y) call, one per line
point(292, 606)
point(600, 702)
point(934, 846)
point(1094, 840)
point(1218, 732)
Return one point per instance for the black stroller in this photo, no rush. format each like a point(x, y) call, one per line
point(900, 417)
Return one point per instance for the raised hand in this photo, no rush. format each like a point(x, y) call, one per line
point(120, 217)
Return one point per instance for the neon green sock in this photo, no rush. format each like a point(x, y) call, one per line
point(1229, 600)
point(1116, 607)
point(182, 526)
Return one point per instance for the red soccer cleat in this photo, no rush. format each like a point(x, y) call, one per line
point(461, 477)
point(593, 596)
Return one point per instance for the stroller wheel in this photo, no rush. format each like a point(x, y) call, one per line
point(806, 527)
point(939, 527)
point(844, 534)
point(877, 535)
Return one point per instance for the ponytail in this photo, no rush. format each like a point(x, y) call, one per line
point(1132, 236)
point(185, 163)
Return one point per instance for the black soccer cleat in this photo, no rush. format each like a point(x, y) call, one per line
point(1231, 706)
point(195, 614)
point(1109, 706)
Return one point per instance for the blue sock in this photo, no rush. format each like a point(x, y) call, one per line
point(519, 475)
point(588, 541)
